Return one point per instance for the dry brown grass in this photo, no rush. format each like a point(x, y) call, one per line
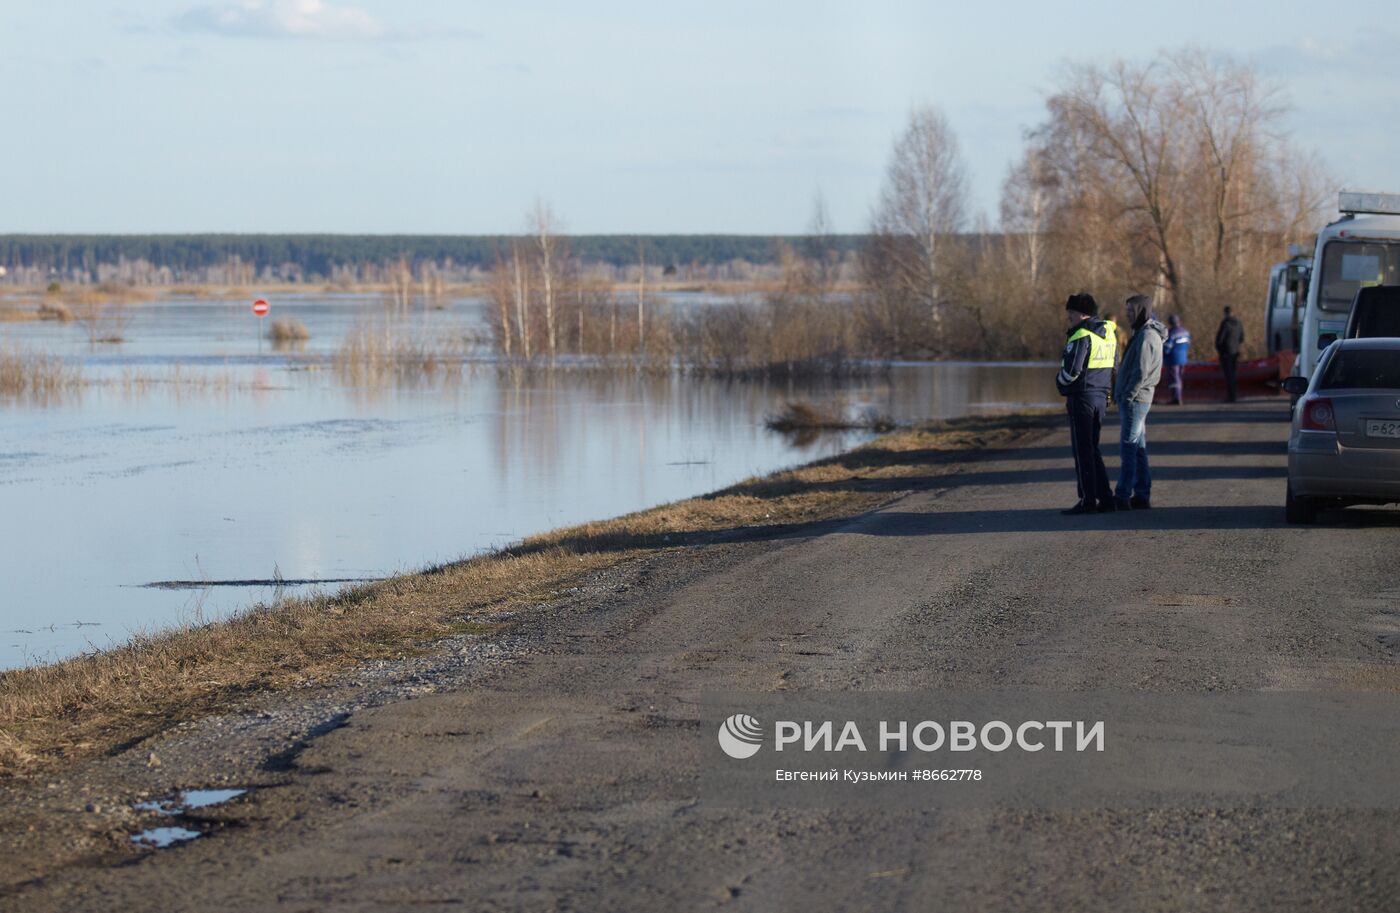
point(287, 332)
point(376, 358)
point(225, 292)
point(55, 310)
point(800, 414)
point(36, 376)
point(803, 417)
point(103, 293)
point(52, 715)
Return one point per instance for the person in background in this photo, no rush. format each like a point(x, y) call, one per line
point(1228, 341)
point(1175, 351)
point(1133, 390)
point(1119, 341)
point(1084, 380)
point(1115, 333)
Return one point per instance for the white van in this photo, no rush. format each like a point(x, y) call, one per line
point(1362, 248)
point(1283, 312)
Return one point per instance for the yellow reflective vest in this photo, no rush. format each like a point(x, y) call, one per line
point(1103, 350)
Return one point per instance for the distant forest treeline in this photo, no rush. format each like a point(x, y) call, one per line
point(336, 257)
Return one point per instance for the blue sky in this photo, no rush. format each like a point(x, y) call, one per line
point(418, 116)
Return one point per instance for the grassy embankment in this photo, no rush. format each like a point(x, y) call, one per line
point(86, 706)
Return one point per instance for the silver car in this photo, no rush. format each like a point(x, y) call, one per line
point(1345, 444)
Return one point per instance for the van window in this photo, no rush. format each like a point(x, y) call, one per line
point(1367, 369)
point(1350, 265)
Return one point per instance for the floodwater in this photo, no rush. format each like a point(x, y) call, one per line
point(196, 455)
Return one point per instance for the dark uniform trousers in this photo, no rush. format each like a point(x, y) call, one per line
point(1086, 416)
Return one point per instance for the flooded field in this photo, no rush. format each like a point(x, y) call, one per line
point(197, 458)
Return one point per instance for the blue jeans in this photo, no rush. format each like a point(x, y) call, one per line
point(1176, 382)
point(1134, 477)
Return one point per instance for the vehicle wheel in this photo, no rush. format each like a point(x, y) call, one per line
point(1299, 510)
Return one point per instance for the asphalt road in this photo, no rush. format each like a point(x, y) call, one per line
point(566, 778)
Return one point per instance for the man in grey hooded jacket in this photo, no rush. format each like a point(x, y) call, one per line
point(1138, 374)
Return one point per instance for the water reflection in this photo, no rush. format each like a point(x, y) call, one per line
point(197, 459)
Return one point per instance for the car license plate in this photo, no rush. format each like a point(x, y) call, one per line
point(1382, 429)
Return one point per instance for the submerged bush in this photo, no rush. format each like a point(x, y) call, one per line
point(55, 310)
point(288, 330)
point(801, 415)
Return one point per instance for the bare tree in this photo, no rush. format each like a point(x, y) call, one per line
point(1304, 188)
point(1134, 122)
point(641, 295)
point(578, 303)
point(522, 298)
point(542, 226)
point(1230, 112)
point(400, 282)
point(612, 326)
point(104, 321)
point(1172, 173)
point(821, 255)
point(503, 294)
point(1025, 211)
point(430, 284)
point(922, 204)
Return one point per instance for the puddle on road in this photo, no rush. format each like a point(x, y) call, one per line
point(203, 798)
point(162, 837)
point(190, 798)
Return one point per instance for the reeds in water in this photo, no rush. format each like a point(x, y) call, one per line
point(371, 357)
point(36, 376)
point(288, 331)
point(801, 415)
point(56, 310)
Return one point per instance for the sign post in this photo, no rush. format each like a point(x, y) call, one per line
point(260, 309)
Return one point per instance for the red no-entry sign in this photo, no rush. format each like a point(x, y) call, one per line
point(260, 307)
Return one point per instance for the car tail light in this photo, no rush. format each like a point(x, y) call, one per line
point(1318, 415)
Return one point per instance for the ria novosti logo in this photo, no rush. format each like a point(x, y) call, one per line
point(740, 736)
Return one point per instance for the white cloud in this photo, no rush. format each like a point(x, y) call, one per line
point(1366, 54)
point(282, 19)
point(1322, 51)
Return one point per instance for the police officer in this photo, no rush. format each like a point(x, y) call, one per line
point(1085, 379)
